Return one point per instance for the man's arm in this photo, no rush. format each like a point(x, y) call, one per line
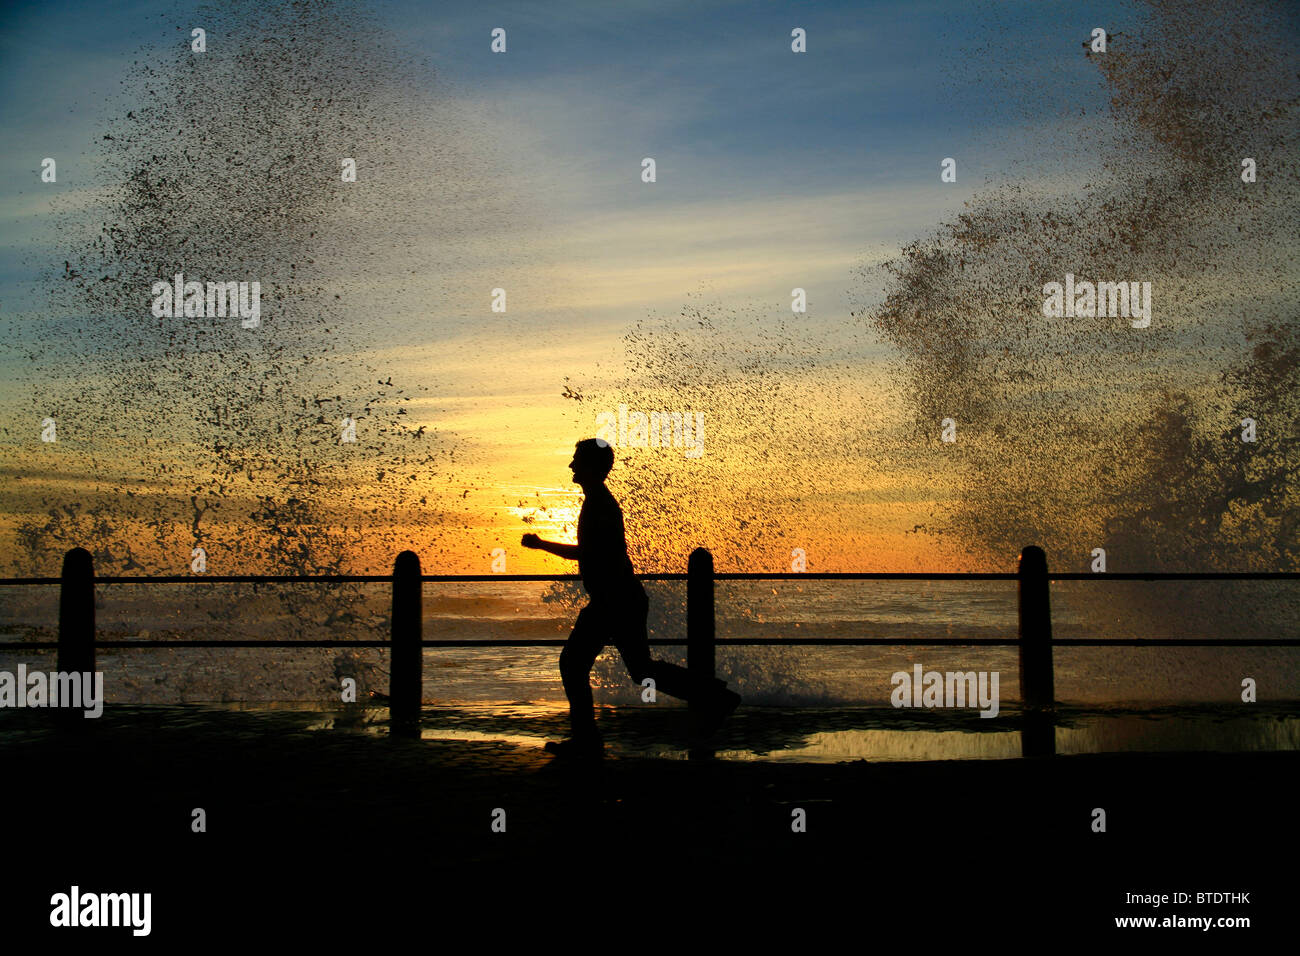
point(569, 551)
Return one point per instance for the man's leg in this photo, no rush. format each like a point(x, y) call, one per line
point(580, 652)
point(634, 645)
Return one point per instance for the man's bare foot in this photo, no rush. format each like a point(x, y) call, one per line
point(716, 710)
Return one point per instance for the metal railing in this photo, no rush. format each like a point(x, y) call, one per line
point(77, 644)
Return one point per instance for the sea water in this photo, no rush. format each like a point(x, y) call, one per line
point(823, 702)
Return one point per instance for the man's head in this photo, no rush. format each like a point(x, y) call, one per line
point(592, 460)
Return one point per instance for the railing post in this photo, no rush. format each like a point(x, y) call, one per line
point(1037, 681)
point(77, 613)
point(406, 673)
point(700, 655)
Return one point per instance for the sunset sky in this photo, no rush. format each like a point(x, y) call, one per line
point(775, 170)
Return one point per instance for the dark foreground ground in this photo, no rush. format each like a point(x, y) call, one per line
point(336, 838)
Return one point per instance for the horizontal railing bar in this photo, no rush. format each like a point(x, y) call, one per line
point(237, 642)
point(864, 576)
point(448, 578)
point(673, 576)
point(735, 642)
point(300, 578)
point(317, 578)
point(1005, 576)
point(1176, 576)
point(1173, 642)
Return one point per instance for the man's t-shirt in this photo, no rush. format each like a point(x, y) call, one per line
point(602, 547)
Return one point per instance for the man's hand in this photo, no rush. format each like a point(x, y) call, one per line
point(567, 551)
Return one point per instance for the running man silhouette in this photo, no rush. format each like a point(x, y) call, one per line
point(616, 613)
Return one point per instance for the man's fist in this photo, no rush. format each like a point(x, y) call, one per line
point(531, 541)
